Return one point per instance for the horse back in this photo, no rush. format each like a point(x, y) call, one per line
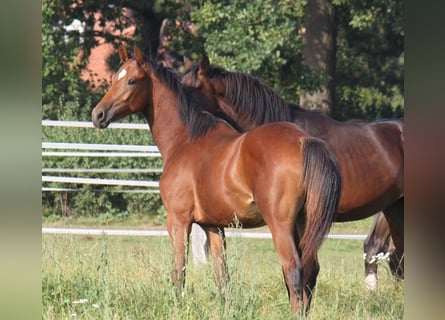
point(370, 158)
point(371, 161)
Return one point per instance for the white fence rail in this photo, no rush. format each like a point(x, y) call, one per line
point(109, 182)
point(73, 149)
point(89, 124)
point(147, 233)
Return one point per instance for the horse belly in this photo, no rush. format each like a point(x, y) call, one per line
point(364, 202)
point(368, 186)
point(249, 215)
point(237, 211)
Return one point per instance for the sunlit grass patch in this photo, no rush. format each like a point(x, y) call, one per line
point(112, 277)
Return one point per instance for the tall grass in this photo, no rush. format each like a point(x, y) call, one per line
point(106, 277)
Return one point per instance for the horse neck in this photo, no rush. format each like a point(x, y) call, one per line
point(163, 117)
point(239, 122)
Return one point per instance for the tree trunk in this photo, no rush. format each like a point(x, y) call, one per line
point(319, 39)
point(151, 27)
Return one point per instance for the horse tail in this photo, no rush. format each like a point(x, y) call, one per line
point(322, 182)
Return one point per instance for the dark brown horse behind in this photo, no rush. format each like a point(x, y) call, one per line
point(213, 175)
point(369, 154)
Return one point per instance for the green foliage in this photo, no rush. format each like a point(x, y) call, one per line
point(368, 14)
point(258, 37)
point(262, 38)
point(370, 59)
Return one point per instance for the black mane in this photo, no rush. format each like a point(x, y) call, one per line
point(250, 98)
point(196, 119)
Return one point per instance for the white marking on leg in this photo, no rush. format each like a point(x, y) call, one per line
point(371, 281)
point(200, 245)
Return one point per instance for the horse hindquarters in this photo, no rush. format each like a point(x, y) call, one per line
point(309, 182)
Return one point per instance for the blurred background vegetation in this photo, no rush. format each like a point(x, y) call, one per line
point(348, 56)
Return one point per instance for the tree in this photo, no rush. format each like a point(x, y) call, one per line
point(370, 58)
point(319, 53)
point(258, 37)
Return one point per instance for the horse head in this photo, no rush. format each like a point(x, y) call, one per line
point(128, 91)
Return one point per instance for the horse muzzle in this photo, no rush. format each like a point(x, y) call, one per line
point(100, 117)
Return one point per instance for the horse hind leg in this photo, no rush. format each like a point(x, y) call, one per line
point(290, 258)
point(310, 280)
point(395, 217)
point(376, 242)
point(311, 270)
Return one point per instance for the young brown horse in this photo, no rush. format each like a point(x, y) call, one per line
point(379, 246)
point(369, 154)
point(275, 174)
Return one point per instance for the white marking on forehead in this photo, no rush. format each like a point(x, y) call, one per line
point(121, 74)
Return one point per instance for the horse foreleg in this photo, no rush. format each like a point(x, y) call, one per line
point(217, 242)
point(179, 236)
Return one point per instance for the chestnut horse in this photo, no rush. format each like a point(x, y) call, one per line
point(379, 246)
point(213, 175)
point(369, 154)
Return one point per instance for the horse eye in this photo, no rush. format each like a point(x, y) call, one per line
point(131, 82)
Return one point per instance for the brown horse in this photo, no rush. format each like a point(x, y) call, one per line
point(369, 154)
point(379, 246)
point(213, 175)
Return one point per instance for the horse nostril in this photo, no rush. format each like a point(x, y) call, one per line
point(100, 116)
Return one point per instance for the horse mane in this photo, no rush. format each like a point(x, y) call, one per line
point(251, 98)
point(196, 119)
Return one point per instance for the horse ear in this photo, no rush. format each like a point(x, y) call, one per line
point(204, 64)
point(123, 53)
point(138, 55)
point(187, 62)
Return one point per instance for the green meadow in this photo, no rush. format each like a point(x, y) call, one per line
point(116, 277)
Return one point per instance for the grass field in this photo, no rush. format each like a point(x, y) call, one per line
point(112, 277)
